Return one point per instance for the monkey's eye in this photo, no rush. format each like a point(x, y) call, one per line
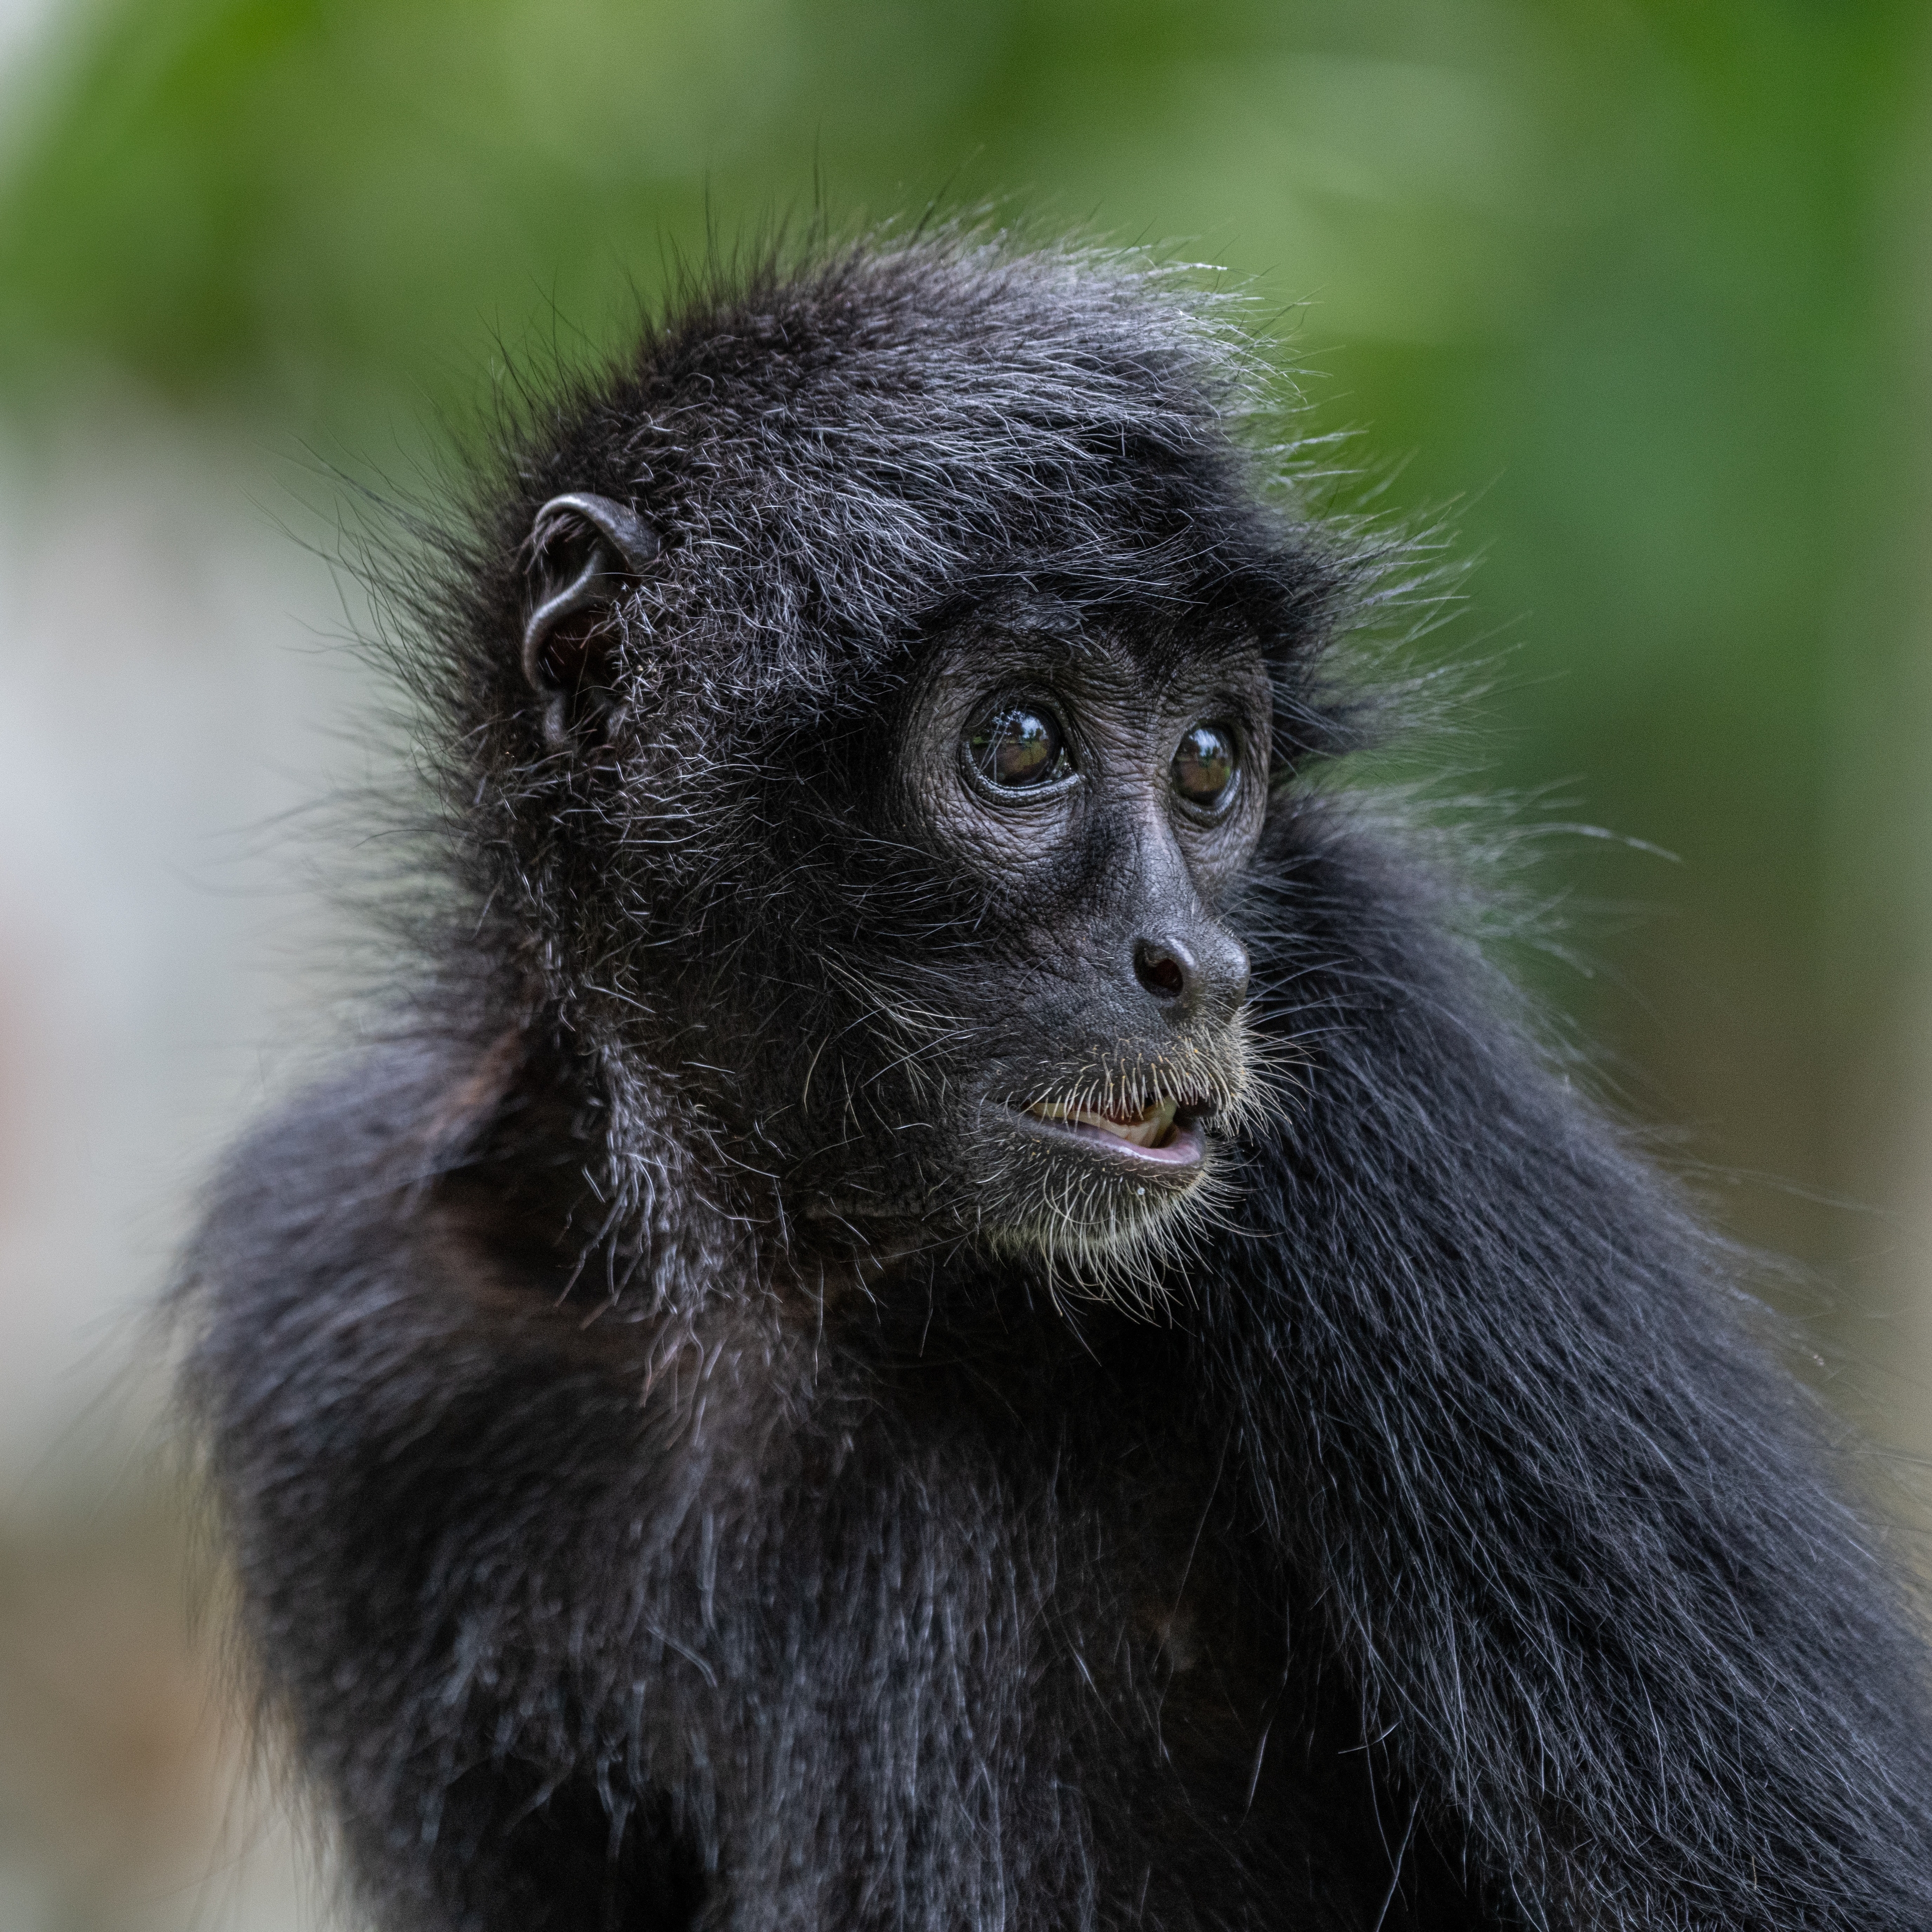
point(1204, 767)
point(1017, 749)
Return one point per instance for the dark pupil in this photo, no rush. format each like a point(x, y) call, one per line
point(1016, 749)
point(1204, 767)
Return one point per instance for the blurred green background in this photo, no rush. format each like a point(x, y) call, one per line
point(1638, 291)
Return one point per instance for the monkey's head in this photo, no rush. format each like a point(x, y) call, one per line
point(878, 694)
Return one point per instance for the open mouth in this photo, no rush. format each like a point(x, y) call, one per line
point(1163, 1132)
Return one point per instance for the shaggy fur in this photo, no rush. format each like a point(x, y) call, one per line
point(629, 1538)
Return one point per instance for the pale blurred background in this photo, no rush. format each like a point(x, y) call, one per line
point(1641, 293)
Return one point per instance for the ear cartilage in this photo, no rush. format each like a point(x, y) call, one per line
point(621, 544)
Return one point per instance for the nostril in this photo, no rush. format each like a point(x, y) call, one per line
point(1164, 977)
point(1159, 969)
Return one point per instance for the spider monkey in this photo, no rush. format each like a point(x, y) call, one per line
point(947, 1300)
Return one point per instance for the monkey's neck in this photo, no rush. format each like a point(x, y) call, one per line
point(617, 1180)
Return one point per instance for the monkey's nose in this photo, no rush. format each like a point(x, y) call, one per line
point(1207, 974)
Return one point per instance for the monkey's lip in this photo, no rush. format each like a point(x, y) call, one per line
point(1153, 1134)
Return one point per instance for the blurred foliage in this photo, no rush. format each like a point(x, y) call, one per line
point(1617, 272)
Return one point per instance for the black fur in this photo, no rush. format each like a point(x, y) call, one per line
point(633, 1536)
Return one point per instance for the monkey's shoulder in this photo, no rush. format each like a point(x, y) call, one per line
point(358, 1197)
point(444, 1208)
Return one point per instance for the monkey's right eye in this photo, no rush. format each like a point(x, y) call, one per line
point(1017, 750)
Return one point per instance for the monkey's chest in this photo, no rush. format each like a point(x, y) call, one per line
point(1119, 1664)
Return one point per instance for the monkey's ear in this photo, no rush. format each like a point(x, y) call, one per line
point(582, 549)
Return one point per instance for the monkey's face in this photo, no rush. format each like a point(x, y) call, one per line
point(1058, 1032)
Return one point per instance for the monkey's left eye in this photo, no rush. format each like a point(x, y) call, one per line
point(1017, 749)
point(1204, 767)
